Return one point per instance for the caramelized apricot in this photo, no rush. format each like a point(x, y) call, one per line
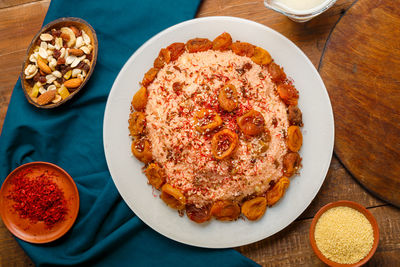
point(288, 94)
point(277, 191)
point(252, 123)
point(176, 50)
point(291, 163)
point(198, 215)
point(294, 138)
point(149, 76)
point(155, 175)
point(224, 143)
point(243, 49)
point(139, 100)
point(225, 210)
point(264, 141)
point(206, 120)
point(295, 116)
point(173, 197)
point(222, 42)
point(228, 97)
point(276, 72)
point(254, 208)
point(137, 123)
point(261, 56)
point(198, 45)
point(164, 57)
point(141, 150)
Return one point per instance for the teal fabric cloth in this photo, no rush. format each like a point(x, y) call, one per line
point(107, 232)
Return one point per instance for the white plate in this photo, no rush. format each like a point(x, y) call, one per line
point(318, 133)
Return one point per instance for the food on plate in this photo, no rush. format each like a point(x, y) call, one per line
point(228, 98)
point(254, 208)
point(59, 63)
point(277, 191)
point(206, 120)
point(139, 100)
point(141, 150)
point(288, 94)
point(198, 45)
point(243, 49)
point(218, 127)
point(198, 215)
point(225, 210)
point(261, 56)
point(222, 42)
point(137, 122)
point(155, 175)
point(291, 163)
point(294, 138)
point(223, 143)
point(251, 123)
point(295, 116)
point(173, 197)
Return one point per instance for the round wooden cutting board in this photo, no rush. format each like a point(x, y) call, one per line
point(361, 70)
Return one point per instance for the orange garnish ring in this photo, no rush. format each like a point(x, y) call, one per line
point(225, 140)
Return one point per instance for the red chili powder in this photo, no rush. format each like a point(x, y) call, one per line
point(38, 198)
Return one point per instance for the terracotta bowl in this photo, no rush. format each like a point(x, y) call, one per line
point(356, 206)
point(57, 24)
point(38, 232)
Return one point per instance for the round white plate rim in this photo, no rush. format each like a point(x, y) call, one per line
point(217, 240)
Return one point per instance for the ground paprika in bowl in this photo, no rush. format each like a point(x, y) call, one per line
point(39, 202)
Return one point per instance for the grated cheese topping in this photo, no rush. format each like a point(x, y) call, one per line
point(186, 154)
point(344, 235)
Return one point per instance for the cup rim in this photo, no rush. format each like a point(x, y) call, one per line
point(310, 13)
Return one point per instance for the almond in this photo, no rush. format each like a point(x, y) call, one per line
point(76, 31)
point(46, 97)
point(76, 52)
point(43, 66)
point(73, 83)
point(65, 37)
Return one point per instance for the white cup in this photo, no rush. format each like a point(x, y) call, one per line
point(295, 11)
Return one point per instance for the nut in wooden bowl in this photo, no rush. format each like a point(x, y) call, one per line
point(60, 60)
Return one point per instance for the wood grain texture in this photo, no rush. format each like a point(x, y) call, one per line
point(339, 185)
point(310, 36)
point(19, 21)
point(290, 247)
point(18, 25)
point(361, 72)
point(10, 3)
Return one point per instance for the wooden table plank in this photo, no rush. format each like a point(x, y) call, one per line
point(10, 3)
point(18, 25)
point(310, 36)
point(290, 247)
point(361, 71)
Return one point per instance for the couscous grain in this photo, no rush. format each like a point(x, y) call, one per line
point(344, 235)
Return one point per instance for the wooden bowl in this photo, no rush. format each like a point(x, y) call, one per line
point(57, 24)
point(358, 207)
point(38, 232)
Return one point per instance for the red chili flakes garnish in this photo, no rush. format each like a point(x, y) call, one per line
point(38, 198)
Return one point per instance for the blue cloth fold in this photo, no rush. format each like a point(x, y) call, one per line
point(107, 232)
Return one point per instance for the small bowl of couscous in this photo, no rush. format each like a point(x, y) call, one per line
point(344, 233)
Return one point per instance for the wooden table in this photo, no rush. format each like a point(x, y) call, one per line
point(21, 19)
